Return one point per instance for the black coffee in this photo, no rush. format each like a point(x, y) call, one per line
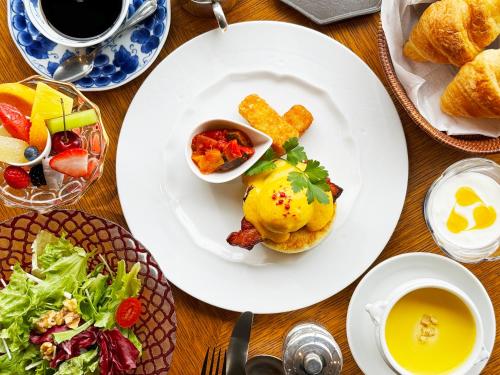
point(81, 18)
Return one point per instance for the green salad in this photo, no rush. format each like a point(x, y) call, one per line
point(66, 319)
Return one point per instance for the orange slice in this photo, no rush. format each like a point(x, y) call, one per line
point(18, 95)
point(38, 133)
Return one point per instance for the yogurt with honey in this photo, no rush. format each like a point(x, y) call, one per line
point(464, 210)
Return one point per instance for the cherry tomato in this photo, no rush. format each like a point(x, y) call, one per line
point(128, 312)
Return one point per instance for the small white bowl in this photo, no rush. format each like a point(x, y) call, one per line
point(45, 153)
point(261, 143)
point(36, 16)
point(379, 312)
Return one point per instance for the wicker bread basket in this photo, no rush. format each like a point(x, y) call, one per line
point(472, 144)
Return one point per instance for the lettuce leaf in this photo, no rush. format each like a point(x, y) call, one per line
point(125, 284)
point(60, 337)
point(129, 334)
point(44, 369)
point(19, 361)
point(54, 251)
point(89, 295)
point(15, 306)
point(14, 299)
point(74, 263)
point(84, 364)
point(16, 335)
point(41, 241)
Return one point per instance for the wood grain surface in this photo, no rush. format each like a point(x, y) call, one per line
point(201, 325)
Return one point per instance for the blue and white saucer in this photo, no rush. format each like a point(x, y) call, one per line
point(125, 58)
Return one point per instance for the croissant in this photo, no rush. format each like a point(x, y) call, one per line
point(475, 90)
point(454, 31)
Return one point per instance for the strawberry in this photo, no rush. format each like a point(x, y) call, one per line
point(72, 162)
point(16, 177)
point(15, 122)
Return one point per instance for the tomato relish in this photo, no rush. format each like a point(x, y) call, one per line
point(220, 150)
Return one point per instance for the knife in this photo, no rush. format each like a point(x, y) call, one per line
point(237, 352)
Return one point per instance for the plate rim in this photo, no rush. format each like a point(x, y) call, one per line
point(133, 76)
point(326, 295)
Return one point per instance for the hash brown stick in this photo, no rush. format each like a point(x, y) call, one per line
point(299, 117)
point(262, 117)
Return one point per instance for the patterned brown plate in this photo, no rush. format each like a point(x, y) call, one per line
point(157, 327)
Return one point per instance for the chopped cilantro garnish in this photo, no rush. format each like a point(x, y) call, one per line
point(313, 179)
point(294, 152)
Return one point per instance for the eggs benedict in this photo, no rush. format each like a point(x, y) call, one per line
point(281, 214)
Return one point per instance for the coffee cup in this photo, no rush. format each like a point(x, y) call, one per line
point(77, 23)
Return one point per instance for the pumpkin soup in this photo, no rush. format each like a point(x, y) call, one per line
point(430, 331)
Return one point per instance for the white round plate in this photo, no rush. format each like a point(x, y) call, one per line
point(380, 282)
point(357, 135)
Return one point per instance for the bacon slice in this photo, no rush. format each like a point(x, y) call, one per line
point(336, 190)
point(247, 237)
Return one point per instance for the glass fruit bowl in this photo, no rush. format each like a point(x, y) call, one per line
point(68, 190)
point(156, 328)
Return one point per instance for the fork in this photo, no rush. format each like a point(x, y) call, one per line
point(212, 363)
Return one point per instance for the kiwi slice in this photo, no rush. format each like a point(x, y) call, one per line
point(73, 121)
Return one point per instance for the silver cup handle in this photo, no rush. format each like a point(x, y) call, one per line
point(219, 14)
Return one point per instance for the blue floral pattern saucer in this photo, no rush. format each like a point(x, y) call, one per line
point(126, 57)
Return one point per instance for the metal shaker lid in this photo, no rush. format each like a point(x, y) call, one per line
point(309, 349)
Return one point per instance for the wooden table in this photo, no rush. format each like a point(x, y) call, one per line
point(201, 325)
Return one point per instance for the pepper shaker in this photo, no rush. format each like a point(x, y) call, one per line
point(309, 349)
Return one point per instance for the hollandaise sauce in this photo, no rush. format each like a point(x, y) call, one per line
point(430, 331)
point(276, 210)
point(464, 210)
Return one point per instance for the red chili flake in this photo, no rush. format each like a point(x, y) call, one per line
point(287, 206)
point(274, 197)
point(282, 194)
point(279, 202)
